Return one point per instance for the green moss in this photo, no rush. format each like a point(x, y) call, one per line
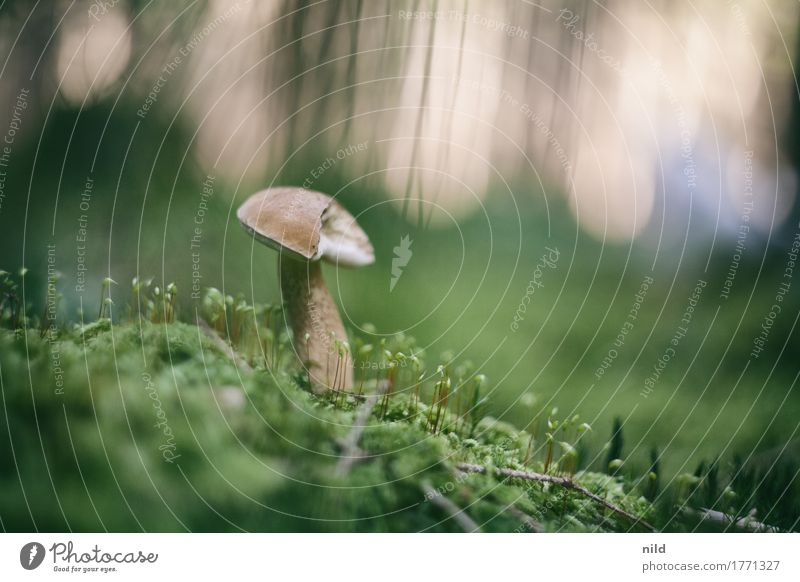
point(155, 428)
point(151, 425)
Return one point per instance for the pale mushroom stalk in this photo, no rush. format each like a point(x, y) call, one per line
point(307, 227)
point(314, 319)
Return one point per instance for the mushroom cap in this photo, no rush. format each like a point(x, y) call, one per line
point(307, 225)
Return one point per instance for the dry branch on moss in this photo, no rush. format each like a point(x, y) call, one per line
point(350, 449)
point(454, 511)
point(529, 523)
point(746, 523)
point(564, 482)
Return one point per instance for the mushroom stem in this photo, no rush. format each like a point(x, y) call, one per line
point(316, 325)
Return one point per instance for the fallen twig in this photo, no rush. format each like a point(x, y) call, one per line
point(526, 519)
point(453, 510)
point(565, 482)
point(350, 450)
point(748, 522)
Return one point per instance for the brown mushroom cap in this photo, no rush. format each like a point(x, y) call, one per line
point(307, 225)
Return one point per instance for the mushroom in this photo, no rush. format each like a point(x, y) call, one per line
point(306, 227)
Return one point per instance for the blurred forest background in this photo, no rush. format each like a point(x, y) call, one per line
point(640, 141)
